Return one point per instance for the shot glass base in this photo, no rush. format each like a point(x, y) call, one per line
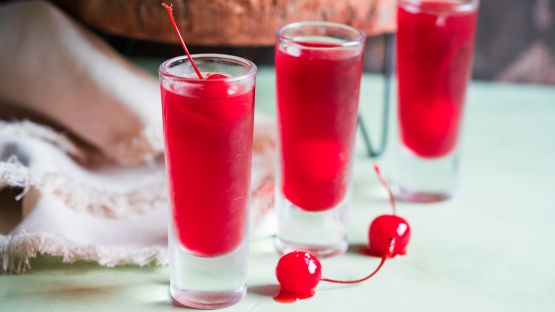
point(322, 233)
point(207, 300)
point(207, 282)
point(320, 251)
point(419, 197)
point(424, 180)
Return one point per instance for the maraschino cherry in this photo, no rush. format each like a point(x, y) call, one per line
point(216, 76)
point(299, 272)
point(386, 229)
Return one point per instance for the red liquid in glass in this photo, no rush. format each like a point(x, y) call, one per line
point(208, 137)
point(434, 58)
point(317, 94)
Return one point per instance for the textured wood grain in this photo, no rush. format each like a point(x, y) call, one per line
point(227, 22)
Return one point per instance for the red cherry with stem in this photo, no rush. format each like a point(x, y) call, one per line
point(170, 14)
point(386, 229)
point(298, 272)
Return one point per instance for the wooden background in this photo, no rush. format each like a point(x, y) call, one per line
point(515, 39)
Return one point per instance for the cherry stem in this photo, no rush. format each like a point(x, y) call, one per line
point(392, 242)
point(357, 280)
point(383, 181)
point(170, 14)
point(384, 258)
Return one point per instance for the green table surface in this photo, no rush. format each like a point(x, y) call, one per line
point(490, 248)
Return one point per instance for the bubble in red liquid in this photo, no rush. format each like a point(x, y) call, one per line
point(385, 228)
point(298, 272)
point(216, 76)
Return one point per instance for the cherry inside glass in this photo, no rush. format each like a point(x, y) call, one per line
point(318, 84)
point(435, 43)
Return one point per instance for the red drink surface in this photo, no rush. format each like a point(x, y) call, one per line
point(317, 95)
point(208, 130)
point(434, 57)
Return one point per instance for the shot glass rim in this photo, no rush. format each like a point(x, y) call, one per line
point(163, 69)
point(463, 6)
point(358, 40)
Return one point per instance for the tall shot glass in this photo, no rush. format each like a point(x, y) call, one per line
point(208, 130)
point(318, 68)
point(435, 43)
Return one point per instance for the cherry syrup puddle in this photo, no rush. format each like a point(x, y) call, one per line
point(284, 296)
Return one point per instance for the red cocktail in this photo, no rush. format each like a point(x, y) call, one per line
point(318, 72)
point(208, 133)
point(435, 43)
point(318, 104)
point(208, 128)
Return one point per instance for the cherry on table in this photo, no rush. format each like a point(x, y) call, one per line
point(298, 272)
point(388, 236)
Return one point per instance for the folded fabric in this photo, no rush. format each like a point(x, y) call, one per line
point(111, 214)
point(92, 105)
point(56, 71)
point(52, 67)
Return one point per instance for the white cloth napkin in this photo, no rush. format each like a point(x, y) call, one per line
point(111, 214)
point(99, 193)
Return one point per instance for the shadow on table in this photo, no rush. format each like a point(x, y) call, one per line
point(170, 305)
point(42, 264)
point(359, 249)
point(51, 276)
point(264, 290)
